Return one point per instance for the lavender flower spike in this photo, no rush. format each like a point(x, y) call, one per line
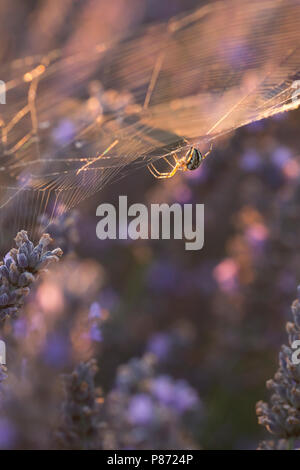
point(3, 377)
point(20, 268)
point(80, 414)
point(281, 416)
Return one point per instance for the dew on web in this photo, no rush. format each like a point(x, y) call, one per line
point(72, 123)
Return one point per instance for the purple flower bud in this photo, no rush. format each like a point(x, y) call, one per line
point(8, 259)
point(13, 274)
point(25, 279)
point(160, 345)
point(22, 260)
point(140, 409)
point(185, 397)
point(163, 389)
point(14, 284)
point(95, 333)
point(33, 259)
point(95, 311)
point(4, 299)
point(4, 271)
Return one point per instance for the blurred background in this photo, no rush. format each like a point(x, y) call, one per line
point(212, 319)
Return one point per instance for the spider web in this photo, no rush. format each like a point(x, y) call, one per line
point(73, 122)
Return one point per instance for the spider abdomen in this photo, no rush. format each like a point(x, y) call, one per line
point(195, 159)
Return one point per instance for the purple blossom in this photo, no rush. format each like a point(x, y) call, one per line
point(250, 160)
point(64, 133)
point(20, 328)
point(95, 311)
point(178, 395)
point(281, 156)
point(163, 389)
point(160, 345)
point(56, 351)
point(140, 409)
point(20, 269)
point(185, 398)
point(95, 333)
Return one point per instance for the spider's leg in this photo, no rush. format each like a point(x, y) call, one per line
point(170, 164)
point(170, 174)
point(207, 153)
point(153, 170)
point(176, 159)
point(158, 174)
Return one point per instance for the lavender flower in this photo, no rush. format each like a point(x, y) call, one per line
point(282, 416)
point(145, 410)
point(20, 269)
point(3, 377)
point(80, 424)
point(281, 444)
point(174, 394)
point(160, 344)
point(140, 409)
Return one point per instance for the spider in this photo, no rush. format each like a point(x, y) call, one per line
point(191, 161)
